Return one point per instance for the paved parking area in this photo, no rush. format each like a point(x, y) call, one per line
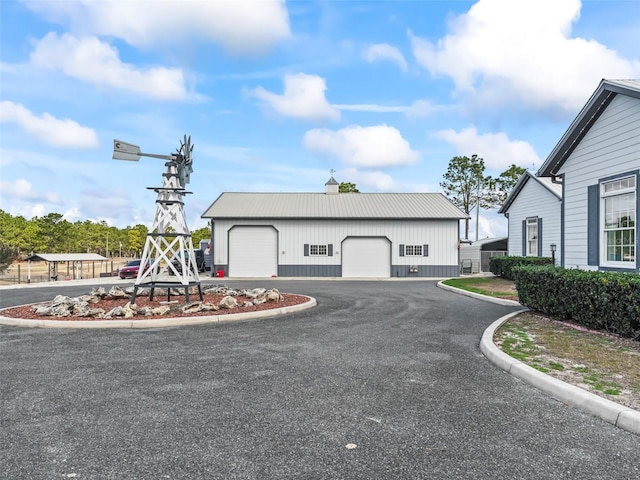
point(381, 380)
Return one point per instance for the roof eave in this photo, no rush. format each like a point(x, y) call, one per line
point(592, 110)
point(514, 193)
point(236, 217)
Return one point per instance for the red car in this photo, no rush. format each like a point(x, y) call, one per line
point(130, 270)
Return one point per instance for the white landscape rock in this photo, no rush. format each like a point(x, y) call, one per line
point(117, 292)
point(64, 306)
point(228, 302)
point(161, 310)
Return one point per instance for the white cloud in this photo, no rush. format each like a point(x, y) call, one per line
point(51, 130)
point(29, 211)
point(303, 98)
point(503, 51)
point(497, 150)
point(372, 108)
point(384, 51)
point(239, 26)
point(367, 181)
point(106, 203)
point(377, 146)
point(93, 61)
point(73, 214)
point(22, 189)
point(421, 108)
point(491, 225)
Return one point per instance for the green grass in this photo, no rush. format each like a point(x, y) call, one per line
point(518, 344)
point(475, 285)
point(556, 366)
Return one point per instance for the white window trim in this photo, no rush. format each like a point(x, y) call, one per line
point(534, 253)
point(631, 265)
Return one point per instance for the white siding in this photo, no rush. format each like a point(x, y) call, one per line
point(440, 235)
point(610, 147)
point(534, 200)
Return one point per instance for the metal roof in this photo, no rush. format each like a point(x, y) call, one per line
point(594, 107)
point(546, 182)
point(336, 206)
point(67, 257)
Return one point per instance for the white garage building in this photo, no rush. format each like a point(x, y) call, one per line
point(331, 234)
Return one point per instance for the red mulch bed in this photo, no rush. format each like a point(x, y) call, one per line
point(108, 303)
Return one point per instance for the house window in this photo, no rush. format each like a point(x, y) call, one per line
point(318, 250)
point(413, 250)
point(618, 202)
point(532, 237)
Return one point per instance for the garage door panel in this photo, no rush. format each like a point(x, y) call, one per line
point(366, 257)
point(253, 252)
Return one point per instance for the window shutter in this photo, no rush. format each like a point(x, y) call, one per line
point(593, 224)
point(402, 250)
point(524, 237)
point(539, 237)
point(425, 250)
point(306, 249)
point(330, 250)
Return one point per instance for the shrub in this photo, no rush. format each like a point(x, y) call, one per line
point(607, 301)
point(503, 266)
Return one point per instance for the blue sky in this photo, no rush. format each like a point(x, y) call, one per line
point(275, 94)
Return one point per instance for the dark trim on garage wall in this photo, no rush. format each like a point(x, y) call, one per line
point(309, 270)
point(437, 271)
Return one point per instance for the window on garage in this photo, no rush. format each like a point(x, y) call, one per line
point(318, 250)
point(414, 250)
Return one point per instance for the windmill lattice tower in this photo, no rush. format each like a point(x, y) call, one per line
point(168, 239)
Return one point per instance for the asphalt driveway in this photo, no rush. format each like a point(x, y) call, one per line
point(380, 380)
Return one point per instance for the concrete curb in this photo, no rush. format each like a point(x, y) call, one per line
point(158, 322)
point(618, 415)
point(478, 296)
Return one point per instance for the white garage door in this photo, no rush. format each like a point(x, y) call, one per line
point(366, 257)
point(253, 252)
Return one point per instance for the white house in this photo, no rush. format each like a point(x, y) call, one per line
point(334, 234)
point(597, 162)
point(533, 210)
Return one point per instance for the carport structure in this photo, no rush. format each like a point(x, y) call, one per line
point(74, 263)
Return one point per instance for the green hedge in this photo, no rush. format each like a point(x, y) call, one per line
point(607, 301)
point(503, 266)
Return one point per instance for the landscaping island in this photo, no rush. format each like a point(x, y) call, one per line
point(100, 305)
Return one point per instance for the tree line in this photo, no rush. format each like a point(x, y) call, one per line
point(52, 233)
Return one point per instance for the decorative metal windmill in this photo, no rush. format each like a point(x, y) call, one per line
point(168, 249)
